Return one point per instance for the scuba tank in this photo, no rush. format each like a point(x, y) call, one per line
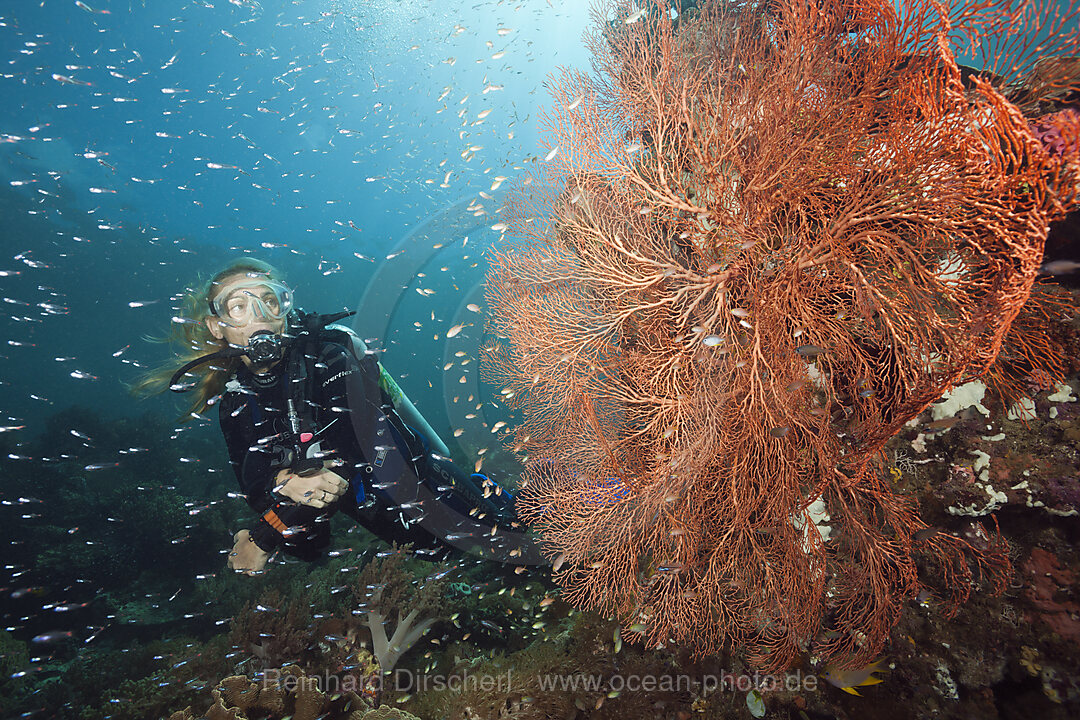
point(347, 337)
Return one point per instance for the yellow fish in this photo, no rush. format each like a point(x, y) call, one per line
point(848, 680)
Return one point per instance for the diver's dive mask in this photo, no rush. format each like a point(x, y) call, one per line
point(238, 303)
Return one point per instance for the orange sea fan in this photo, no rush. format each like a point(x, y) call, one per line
point(774, 232)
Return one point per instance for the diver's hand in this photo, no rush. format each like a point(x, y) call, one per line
point(317, 491)
point(247, 557)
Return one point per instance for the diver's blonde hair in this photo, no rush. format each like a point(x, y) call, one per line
point(192, 339)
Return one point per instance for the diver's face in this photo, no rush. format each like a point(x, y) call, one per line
point(245, 306)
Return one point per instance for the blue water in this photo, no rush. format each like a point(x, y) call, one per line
point(145, 144)
point(149, 144)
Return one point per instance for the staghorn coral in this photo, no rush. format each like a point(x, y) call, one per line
point(385, 589)
point(768, 236)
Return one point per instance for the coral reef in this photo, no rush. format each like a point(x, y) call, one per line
point(290, 694)
point(769, 235)
point(1051, 589)
point(387, 592)
point(274, 629)
point(526, 684)
point(131, 682)
point(13, 658)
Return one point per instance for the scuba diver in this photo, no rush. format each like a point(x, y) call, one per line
point(314, 425)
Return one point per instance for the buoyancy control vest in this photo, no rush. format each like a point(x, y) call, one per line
point(404, 458)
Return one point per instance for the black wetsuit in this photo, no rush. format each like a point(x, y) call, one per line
point(254, 420)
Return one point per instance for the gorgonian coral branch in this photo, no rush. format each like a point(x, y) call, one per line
point(773, 233)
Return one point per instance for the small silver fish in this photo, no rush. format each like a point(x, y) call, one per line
point(52, 636)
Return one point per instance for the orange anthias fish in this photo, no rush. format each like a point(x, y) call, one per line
point(848, 680)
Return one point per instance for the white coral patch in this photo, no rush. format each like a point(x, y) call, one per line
point(1063, 394)
point(959, 398)
point(1022, 409)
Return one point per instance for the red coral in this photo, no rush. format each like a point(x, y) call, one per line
point(769, 235)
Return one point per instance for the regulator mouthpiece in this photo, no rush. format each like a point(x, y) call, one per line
point(265, 347)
